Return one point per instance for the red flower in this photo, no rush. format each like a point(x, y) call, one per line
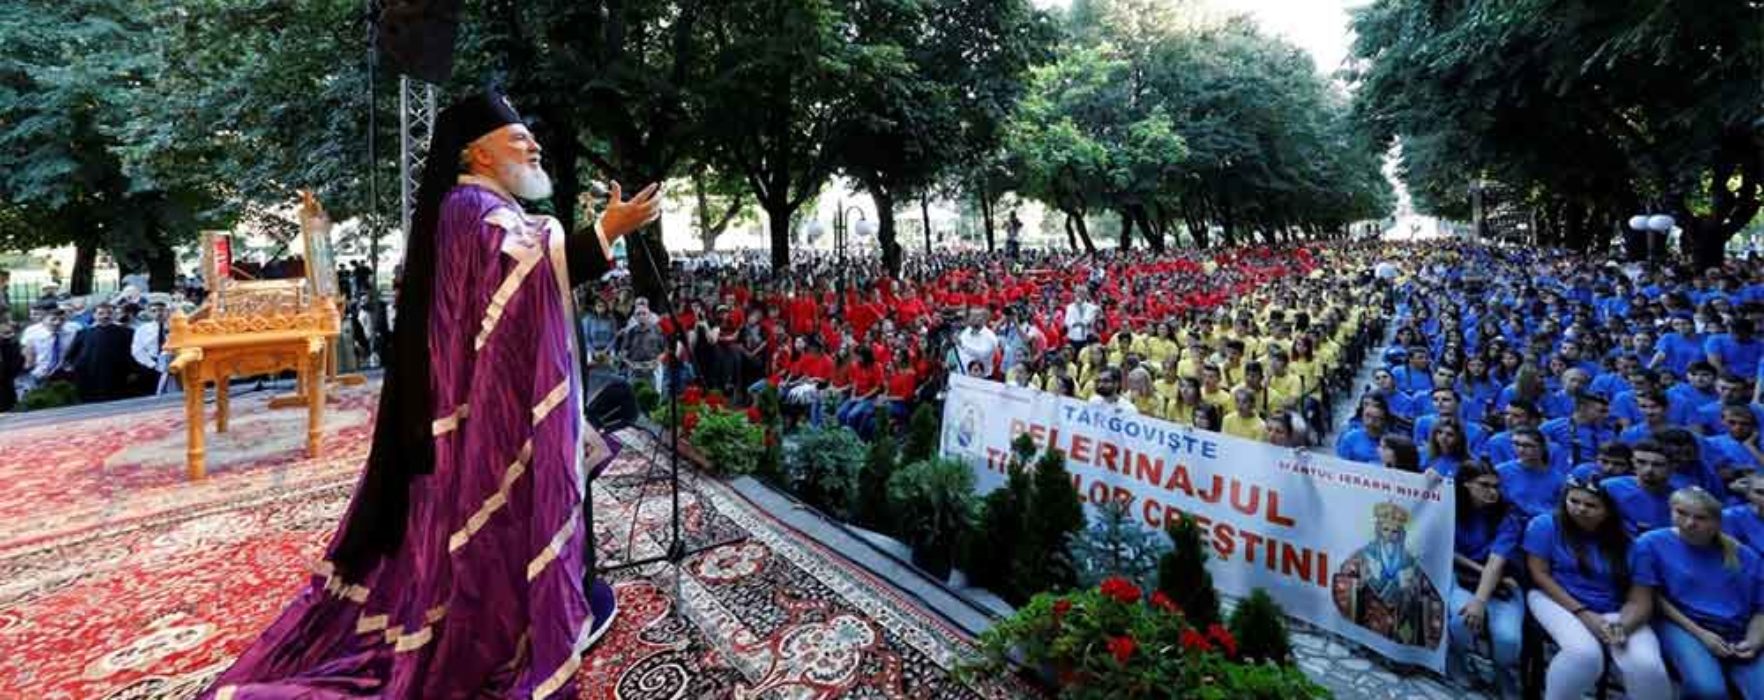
point(1061, 607)
point(715, 400)
point(692, 396)
point(1222, 636)
point(1193, 641)
point(1122, 648)
point(690, 421)
point(1163, 602)
point(1120, 589)
point(754, 415)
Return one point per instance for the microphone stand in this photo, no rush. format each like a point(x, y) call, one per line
point(676, 551)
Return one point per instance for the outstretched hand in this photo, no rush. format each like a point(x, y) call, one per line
point(623, 216)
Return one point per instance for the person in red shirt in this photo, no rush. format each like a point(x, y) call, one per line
point(865, 375)
point(812, 375)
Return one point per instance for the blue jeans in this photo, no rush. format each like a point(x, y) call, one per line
point(1700, 674)
point(855, 414)
point(1504, 623)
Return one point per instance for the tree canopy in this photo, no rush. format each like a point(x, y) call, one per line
point(1592, 111)
point(137, 122)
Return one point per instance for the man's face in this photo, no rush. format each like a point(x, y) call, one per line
point(54, 320)
point(1516, 418)
point(1652, 411)
point(1418, 359)
point(103, 315)
point(1593, 411)
point(1701, 381)
point(1574, 380)
point(510, 155)
point(1732, 392)
point(1446, 403)
point(1651, 468)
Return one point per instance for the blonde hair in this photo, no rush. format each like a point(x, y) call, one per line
point(1696, 497)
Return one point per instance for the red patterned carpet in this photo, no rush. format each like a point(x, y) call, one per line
point(118, 580)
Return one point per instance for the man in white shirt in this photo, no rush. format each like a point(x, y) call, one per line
point(46, 351)
point(149, 345)
point(977, 343)
point(1080, 319)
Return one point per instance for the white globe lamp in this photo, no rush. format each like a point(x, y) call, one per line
point(1660, 223)
point(1638, 223)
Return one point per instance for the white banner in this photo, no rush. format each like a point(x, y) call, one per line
point(1360, 551)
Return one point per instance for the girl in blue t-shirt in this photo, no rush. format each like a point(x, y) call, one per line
point(1578, 560)
point(1711, 598)
point(1447, 449)
point(1746, 522)
point(1532, 483)
point(1485, 596)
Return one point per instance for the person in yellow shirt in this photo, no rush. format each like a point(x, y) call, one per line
point(1168, 381)
point(1283, 383)
point(1180, 409)
point(1194, 358)
point(1244, 421)
point(1213, 389)
point(1231, 370)
point(1139, 391)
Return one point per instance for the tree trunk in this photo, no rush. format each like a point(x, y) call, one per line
point(1076, 220)
point(778, 223)
point(79, 281)
point(886, 233)
point(162, 264)
point(985, 198)
point(1126, 229)
point(1071, 234)
point(925, 211)
point(1151, 227)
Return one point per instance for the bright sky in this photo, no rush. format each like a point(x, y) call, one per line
point(1317, 26)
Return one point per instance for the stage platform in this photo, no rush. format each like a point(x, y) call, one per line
point(119, 578)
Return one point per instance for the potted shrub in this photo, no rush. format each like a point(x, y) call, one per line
point(771, 464)
point(932, 503)
point(1260, 628)
point(988, 555)
point(1115, 545)
point(1183, 576)
point(1111, 642)
point(872, 508)
point(1054, 517)
point(729, 441)
point(823, 469)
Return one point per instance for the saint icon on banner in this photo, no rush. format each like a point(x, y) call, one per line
point(1383, 588)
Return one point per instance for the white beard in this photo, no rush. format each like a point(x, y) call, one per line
point(526, 181)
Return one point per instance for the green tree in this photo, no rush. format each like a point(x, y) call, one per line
point(1593, 111)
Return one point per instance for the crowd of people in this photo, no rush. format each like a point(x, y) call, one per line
point(1600, 422)
point(1240, 341)
point(1601, 426)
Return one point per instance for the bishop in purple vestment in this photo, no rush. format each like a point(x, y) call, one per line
point(459, 569)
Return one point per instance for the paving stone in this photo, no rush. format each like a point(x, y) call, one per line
point(1356, 665)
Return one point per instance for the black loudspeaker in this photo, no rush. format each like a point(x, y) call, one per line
point(416, 37)
point(611, 405)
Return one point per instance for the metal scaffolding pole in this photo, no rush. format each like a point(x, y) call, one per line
point(416, 124)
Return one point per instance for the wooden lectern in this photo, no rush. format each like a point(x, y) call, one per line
point(257, 327)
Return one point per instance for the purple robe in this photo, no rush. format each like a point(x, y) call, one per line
point(485, 595)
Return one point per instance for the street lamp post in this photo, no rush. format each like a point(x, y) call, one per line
point(1654, 227)
point(841, 235)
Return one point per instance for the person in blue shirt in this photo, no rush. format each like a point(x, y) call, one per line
point(1402, 407)
point(1738, 453)
point(1360, 443)
point(1582, 432)
point(1687, 398)
point(1677, 350)
point(1447, 448)
point(1711, 596)
point(1485, 597)
point(1745, 522)
point(1578, 559)
point(1531, 483)
point(1641, 381)
point(1614, 382)
point(1693, 462)
point(1415, 377)
point(1642, 499)
point(1652, 406)
point(1446, 403)
point(1730, 390)
point(1613, 461)
point(1498, 449)
point(1570, 353)
point(1478, 390)
point(1737, 351)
